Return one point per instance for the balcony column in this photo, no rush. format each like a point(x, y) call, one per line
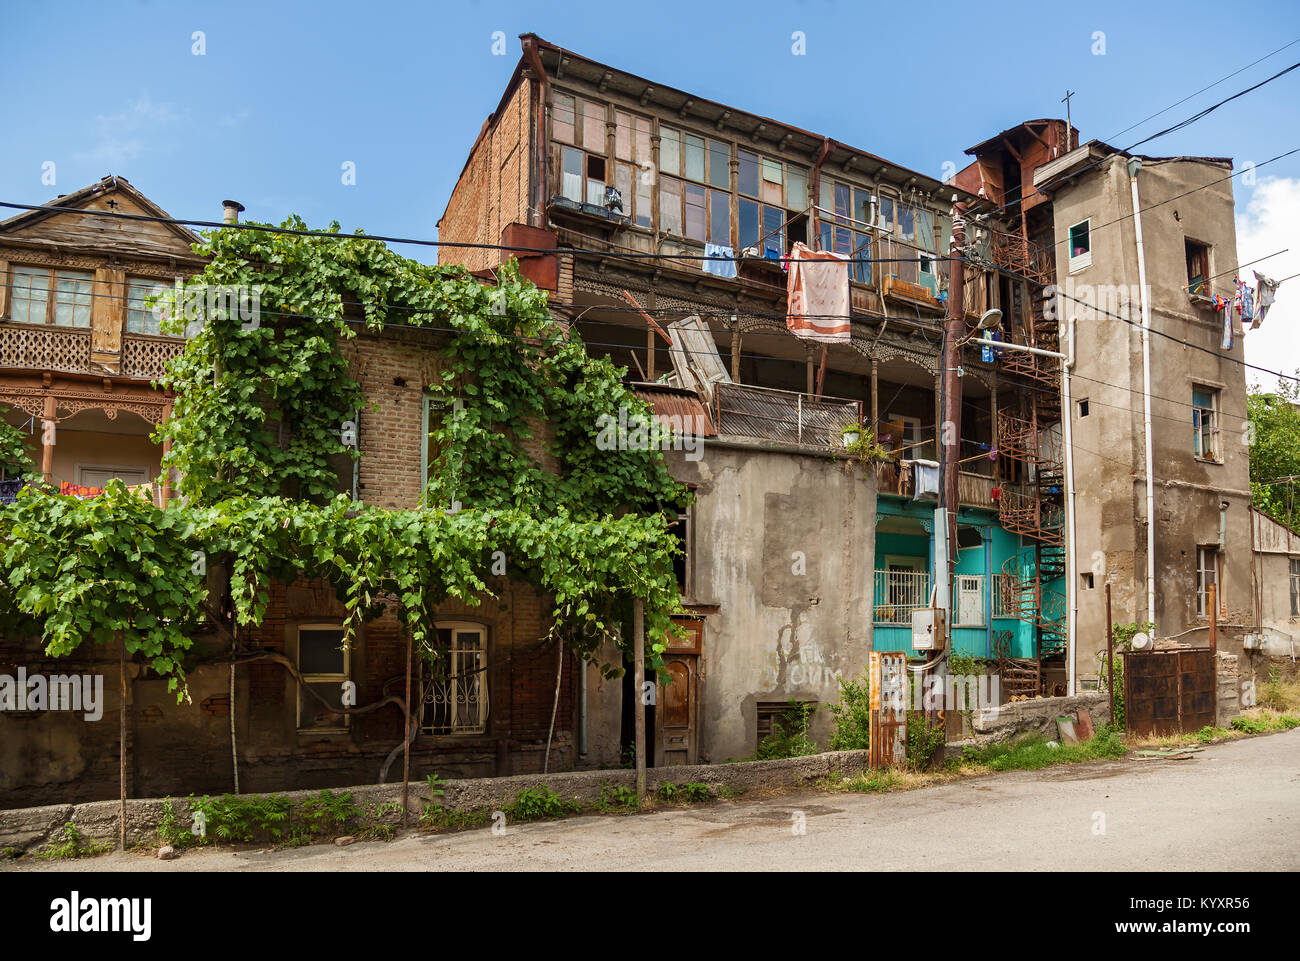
point(166, 471)
point(875, 398)
point(47, 439)
point(735, 351)
point(808, 367)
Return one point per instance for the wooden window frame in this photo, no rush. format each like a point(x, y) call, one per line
point(1202, 585)
point(52, 298)
point(345, 721)
point(1201, 252)
point(1084, 260)
point(1215, 454)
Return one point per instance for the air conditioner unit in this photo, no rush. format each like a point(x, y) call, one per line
point(928, 629)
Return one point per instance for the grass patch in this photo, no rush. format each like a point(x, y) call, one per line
point(541, 804)
point(1032, 752)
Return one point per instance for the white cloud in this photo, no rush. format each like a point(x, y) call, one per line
point(119, 138)
point(1268, 224)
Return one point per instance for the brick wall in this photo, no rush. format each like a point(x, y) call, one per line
point(493, 189)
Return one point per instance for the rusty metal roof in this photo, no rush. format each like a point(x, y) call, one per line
point(679, 403)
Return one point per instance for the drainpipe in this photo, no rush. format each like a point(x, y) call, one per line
point(534, 59)
point(1134, 165)
point(582, 724)
point(1071, 559)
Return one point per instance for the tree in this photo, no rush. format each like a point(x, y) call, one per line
point(1274, 435)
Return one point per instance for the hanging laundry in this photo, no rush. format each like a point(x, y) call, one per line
point(79, 490)
point(990, 354)
point(927, 479)
point(719, 268)
point(817, 291)
point(1244, 301)
point(1265, 290)
point(1223, 307)
point(9, 490)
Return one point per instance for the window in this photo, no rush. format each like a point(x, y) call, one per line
point(1198, 268)
point(141, 318)
point(1083, 407)
point(1205, 423)
point(1088, 582)
point(454, 681)
point(434, 410)
point(1080, 241)
point(772, 715)
point(681, 530)
point(1295, 587)
point(44, 297)
point(1207, 574)
point(323, 663)
point(72, 298)
point(30, 296)
point(844, 214)
point(583, 172)
point(699, 211)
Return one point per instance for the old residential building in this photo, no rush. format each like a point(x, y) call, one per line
point(635, 184)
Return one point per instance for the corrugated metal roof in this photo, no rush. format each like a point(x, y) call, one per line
point(678, 406)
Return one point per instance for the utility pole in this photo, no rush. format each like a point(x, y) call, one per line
point(950, 430)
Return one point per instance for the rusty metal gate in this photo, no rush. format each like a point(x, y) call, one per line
point(1169, 692)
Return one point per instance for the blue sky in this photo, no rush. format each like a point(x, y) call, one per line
point(286, 92)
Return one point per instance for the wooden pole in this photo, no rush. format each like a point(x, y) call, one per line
point(121, 756)
point(638, 668)
point(406, 743)
point(1110, 656)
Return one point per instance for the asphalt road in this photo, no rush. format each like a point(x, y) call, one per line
point(1235, 807)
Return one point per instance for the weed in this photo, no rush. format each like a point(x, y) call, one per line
point(616, 796)
point(170, 829)
point(540, 804)
point(440, 817)
point(923, 741)
point(326, 812)
point(70, 843)
point(852, 715)
point(882, 779)
point(244, 819)
point(726, 792)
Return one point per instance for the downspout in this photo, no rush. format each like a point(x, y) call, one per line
point(1071, 559)
point(1134, 165)
point(539, 191)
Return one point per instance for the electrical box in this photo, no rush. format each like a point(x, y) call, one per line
point(1252, 642)
point(928, 629)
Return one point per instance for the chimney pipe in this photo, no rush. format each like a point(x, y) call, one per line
point(230, 210)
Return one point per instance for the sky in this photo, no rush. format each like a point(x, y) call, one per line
point(265, 102)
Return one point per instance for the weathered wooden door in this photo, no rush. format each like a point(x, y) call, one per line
point(677, 727)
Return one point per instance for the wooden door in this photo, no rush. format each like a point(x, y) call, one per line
point(677, 728)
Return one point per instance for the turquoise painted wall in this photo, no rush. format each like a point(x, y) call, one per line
point(996, 548)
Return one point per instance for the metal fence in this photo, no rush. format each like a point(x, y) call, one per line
point(898, 593)
point(783, 416)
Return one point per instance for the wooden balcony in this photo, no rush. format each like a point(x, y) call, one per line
point(973, 490)
point(42, 347)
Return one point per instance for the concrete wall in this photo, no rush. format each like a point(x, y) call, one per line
point(782, 553)
point(1109, 442)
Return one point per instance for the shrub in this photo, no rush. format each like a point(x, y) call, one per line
point(923, 741)
point(852, 715)
point(789, 737)
point(71, 843)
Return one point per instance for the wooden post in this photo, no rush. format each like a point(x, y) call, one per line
point(121, 754)
point(47, 430)
point(638, 668)
point(735, 351)
point(1110, 656)
point(406, 743)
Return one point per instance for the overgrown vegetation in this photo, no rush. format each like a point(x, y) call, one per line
point(70, 843)
point(1279, 694)
point(852, 715)
point(1033, 751)
point(924, 742)
point(789, 737)
point(257, 434)
point(540, 804)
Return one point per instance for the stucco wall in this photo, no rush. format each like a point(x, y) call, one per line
point(1109, 442)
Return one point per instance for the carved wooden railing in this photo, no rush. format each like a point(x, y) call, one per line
point(45, 347)
point(143, 356)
